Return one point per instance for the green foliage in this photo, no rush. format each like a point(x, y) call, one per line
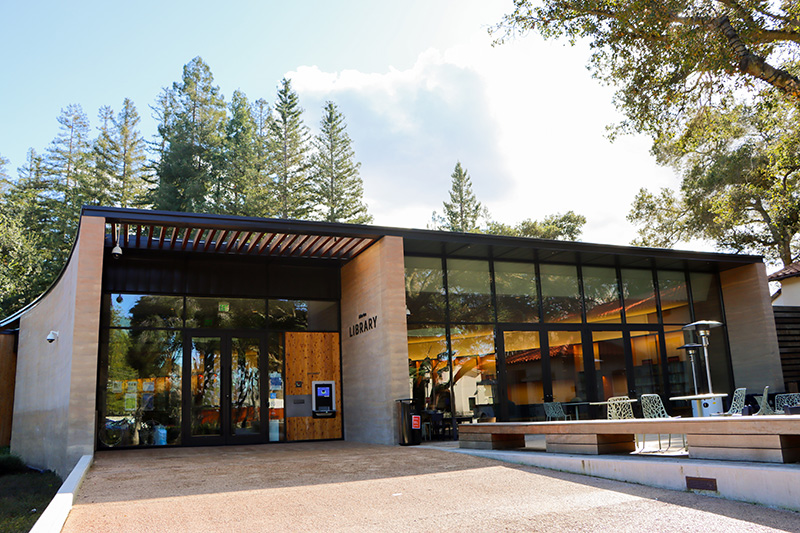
point(463, 211)
point(740, 165)
point(192, 132)
point(290, 156)
point(242, 158)
point(337, 187)
point(562, 227)
point(675, 56)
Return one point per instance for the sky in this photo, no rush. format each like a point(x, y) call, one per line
point(419, 83)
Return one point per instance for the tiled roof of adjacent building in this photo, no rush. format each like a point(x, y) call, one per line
point(786, 272)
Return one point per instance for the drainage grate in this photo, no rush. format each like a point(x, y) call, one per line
point(701, 483)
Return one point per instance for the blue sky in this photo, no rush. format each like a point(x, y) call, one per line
point(419, 83)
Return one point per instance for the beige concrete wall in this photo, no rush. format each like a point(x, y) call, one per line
point(790, 293)
point(54, 401)
point(374, 361)
point(751, 329)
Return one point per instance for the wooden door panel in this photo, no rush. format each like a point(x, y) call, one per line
point(312, 357)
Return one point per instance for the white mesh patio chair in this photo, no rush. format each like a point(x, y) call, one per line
point(788, 399)
point(737, 403)
point(554, 411)
point(653, 407)
point(619, 408)
point(763, 404)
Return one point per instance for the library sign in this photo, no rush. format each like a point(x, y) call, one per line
point(363, 325)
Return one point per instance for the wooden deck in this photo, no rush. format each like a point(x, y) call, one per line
point(773, 439)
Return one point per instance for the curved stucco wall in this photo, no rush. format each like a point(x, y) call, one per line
point(54, 399)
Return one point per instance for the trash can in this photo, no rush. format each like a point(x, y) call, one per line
point(410, 423)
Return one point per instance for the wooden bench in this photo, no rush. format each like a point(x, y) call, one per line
point(774, 439)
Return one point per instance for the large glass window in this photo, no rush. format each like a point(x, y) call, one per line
point(206, 371)
point(525, 379)
point(144, 311)
point(640, 296)
point(561, 297)
point(425, 301)
point(143, 388)
point(474, 372)
point(469, 288)
point(566, 366)
point(705, 296)
point(609, 364)
point(679, 364)
point(601, 294)
point(226, 313)
point(517, 297)
point(646, 362)
point(428, 367)
point(674, 297)
point(303, 315)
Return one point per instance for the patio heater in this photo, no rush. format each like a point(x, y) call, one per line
point(703, 329)
point(691, 349)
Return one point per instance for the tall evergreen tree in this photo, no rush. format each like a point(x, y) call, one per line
point(98, 187)
point(130, 162)
point(241, 151)
point(69, 170)
point(463, 210)
point(190, 169)
point(32, 244)
point(261, 200)
point(289, 150)
point(337, 187)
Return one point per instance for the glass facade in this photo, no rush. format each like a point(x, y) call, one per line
point(186, 370)
point(494, 340)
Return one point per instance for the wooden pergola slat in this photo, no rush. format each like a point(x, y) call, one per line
point(209, 239)
point(232, 241)
point(300, 252)
point(186, 237)
point(244, 241)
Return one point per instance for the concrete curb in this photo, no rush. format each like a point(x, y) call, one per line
point(53, 518)
point(773, 485)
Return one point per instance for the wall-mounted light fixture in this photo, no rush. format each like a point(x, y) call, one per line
point(52, 336)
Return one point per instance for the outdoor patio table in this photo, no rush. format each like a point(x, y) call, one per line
point(698, 400)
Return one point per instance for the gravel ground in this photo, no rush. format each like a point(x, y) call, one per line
point(342, 486)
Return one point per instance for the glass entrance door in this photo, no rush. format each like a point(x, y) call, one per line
point(223, 403)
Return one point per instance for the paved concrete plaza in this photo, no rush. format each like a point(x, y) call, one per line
point(342, 486)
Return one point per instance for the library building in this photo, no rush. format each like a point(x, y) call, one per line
point(180, 329)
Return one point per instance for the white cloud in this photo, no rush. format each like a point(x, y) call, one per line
point(525, 119)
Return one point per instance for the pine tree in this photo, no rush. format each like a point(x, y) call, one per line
point(261, 200)
point(463, 210)
point(241, 151)
point(337, 187)
point(99, 186)
point(130, 162)
point(190, 170)
point(289, 151)
point(69, 171)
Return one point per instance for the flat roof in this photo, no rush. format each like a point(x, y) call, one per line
point(325, 241)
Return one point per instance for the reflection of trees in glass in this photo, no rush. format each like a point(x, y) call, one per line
point(601, 294)
point(424, 289)
point(288, 315)
point(227, 313)
point(515, 285)
point(469, 290)
point(205, 384)
point(151, 312)
point(560, 296)
point(245, 393)
point(152, 357)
